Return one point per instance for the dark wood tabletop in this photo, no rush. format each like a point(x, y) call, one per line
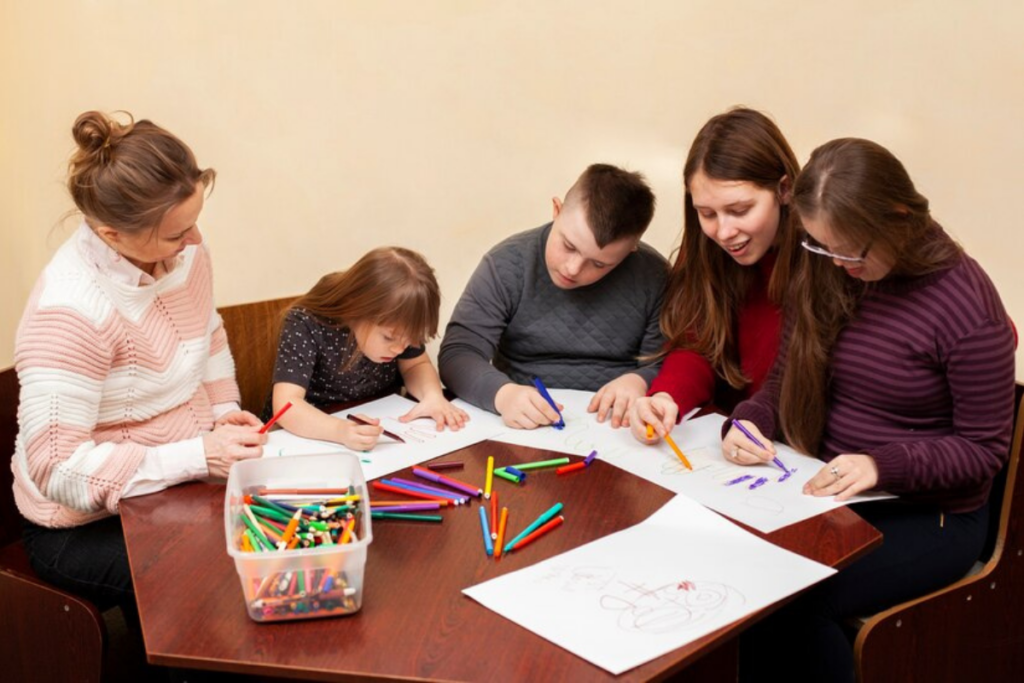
point(414, 622)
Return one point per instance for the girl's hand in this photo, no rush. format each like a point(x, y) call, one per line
point(844, 477)
point(359, 437)
point(439, 409)
point(242, 418)
point(659, 411)
point(740, 450)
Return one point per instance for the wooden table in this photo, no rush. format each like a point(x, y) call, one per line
point(415, 623)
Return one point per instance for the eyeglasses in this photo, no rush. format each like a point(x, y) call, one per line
point(822, 251)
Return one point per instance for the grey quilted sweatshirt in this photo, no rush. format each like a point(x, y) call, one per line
point(513, 323)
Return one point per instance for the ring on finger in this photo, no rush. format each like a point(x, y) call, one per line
point(835, 472)
point(735, 453)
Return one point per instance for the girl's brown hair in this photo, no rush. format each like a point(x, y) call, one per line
point(389, 286)
point(128, 175)
point(865, 196)
point(706, 287)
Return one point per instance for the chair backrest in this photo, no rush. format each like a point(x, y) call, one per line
point(252, 335)
point(10, 518)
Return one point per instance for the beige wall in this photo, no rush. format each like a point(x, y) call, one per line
point(444, 126)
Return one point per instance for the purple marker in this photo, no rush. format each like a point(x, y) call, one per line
point(746, 432)
point(761, 481)
point(444, 493)
point(457, 499)
point(739, 480)
point(410, 507)
point(590, 458)
point(447, 481)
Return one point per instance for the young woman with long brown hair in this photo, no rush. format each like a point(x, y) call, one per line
point(722, 310)
point(356, 335)
point(897, 370)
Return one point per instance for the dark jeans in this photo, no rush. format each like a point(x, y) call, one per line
point(921, 551)
point(90, 561)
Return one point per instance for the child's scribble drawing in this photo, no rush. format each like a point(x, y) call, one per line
point(667, 608)
point(671, 607)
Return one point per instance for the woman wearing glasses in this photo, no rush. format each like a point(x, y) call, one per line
point(897, 370)
point(722, 309)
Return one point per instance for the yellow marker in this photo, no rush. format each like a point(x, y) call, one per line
point(679, 453)
point(490, 477)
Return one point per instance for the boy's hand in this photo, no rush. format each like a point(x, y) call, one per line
point(659, 411)
point(439, 409)
point(615, 398)
point(523, 407)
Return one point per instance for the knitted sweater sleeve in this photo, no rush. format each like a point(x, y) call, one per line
point(471, 338)
point(980, 373)
point(62, 363)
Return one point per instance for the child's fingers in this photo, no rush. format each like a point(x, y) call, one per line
point(595, 402)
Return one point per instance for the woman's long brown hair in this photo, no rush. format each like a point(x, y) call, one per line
point(865, 196)
point(707, 287)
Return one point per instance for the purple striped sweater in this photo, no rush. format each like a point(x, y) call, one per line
point(922, 379)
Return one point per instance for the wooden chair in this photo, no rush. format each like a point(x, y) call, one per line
point(252, 335)
point(49, 635)
point(973, 629)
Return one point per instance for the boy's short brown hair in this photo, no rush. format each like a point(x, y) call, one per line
point(617, 203)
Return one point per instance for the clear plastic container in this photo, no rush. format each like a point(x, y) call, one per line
point(302, 583)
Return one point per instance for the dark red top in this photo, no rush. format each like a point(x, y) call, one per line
point(688, 377)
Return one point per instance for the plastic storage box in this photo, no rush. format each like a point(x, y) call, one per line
point(301, 583)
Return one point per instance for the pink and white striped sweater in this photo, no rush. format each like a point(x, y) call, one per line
point(109, 370)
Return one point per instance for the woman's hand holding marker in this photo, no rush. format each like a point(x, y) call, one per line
point(659, 412)
point(738, 448)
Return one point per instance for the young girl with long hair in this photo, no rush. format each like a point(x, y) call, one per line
point(721, 316)
point(897, 370)
point(356, 335)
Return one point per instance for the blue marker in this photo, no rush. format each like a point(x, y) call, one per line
point(515, 472)
point(488, 545)
point(590, 458)
point(547, 397)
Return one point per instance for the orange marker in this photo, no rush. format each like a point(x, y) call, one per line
point(679, 453)
point(501, 532)
point(650, 432)
point(346, 535)
point(289, 530)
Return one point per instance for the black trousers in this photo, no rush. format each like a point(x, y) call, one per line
point(922, 550)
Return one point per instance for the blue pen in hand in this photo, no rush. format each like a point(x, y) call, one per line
point(746, 432)
point(547, 397)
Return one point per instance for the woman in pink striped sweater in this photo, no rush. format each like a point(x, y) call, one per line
point(127, 382)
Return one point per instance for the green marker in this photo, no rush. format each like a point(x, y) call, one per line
point(406, 516)
point(543, 463)
point(500, 472)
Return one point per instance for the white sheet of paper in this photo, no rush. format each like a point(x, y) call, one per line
point(635, 595)
point(768, 507)
point(422, 440)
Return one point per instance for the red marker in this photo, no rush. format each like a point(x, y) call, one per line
point(271, 421)
point(539, 532)
point(575, 467)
